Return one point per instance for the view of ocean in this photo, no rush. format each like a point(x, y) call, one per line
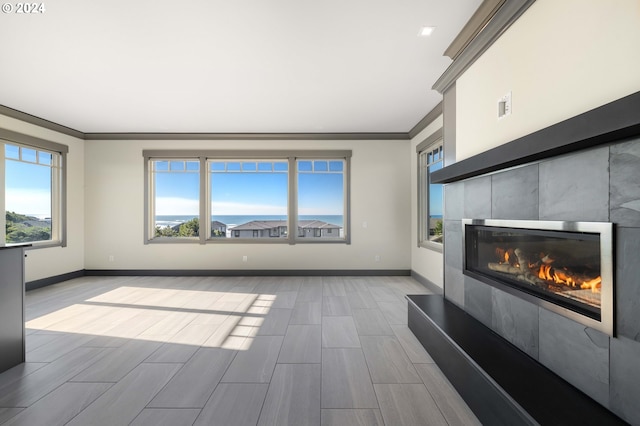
point(166, 220)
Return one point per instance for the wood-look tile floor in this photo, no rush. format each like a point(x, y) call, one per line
point(226, 351)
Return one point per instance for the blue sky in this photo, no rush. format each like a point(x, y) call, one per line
point(435, 193)
point(320, 194)
point(252, 193)
point(249, 193)
point(177, 193)
point(28, 188)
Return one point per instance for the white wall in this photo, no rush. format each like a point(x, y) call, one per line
point(380, 196)
point(48, 262)
point(424, 261)
point(560, 59)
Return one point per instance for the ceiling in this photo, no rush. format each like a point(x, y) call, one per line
point(233, 66)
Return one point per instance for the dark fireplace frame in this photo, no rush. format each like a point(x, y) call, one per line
point(603, 229)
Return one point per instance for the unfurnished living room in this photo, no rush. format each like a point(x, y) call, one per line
point(331, 213)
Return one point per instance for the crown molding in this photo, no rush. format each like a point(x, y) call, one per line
point(401, 136)
point(505, 16)
point(31, 119)
point(476, 23)
point(41, 122)
point(426, 120)
point(246, 136)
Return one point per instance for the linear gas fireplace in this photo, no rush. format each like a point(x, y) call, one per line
point(566, 267)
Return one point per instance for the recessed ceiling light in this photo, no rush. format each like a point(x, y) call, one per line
point(426, 31)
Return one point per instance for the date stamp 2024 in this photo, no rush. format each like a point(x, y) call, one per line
point(24, 8)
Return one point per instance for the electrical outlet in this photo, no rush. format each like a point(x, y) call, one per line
point(376, 258)
point(504, 106)
point(245, 258)
point(364, 224)
point(111, 258)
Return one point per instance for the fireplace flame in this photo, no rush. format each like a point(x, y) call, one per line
point(595, 285)
point(560, 276)
point(574, 276)
point(507, 257)
point(545, 272)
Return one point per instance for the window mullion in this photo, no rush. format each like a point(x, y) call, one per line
point(205, 216)
point(149, 205)
point(427, 201)
point(424, 196)
point(55, 199)
point(62, 197)
point(3, 218)
point(419, 197)
point(292, 208)
point(347, 202)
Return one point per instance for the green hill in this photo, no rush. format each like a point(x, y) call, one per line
point(24, 229)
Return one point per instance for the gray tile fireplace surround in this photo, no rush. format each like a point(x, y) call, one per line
point(600, 184)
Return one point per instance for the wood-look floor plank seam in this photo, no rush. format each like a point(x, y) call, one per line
point(235, 312)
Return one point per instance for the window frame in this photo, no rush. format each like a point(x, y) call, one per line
point(150, 205)
point(58, 188)
point(206, 156)
point(431, 143)
point(258, 236)
point(301, 236)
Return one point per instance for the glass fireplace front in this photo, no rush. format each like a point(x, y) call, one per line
point(563, 266)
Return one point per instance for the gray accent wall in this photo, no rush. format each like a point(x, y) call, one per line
point(576, 187)
point(516, 320)
point(625, 184)
point(600, 184)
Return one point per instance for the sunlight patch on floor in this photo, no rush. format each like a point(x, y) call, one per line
point(232, 319)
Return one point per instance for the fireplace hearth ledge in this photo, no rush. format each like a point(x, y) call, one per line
point(499, 382)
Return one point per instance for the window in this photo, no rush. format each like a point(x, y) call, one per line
point(430, 195)
point(321, 195)
point(32, 175)
point(175, 201)
point(252, 196)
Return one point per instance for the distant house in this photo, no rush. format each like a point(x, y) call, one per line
point(218, 229)
point(278, 229)
point(317, 229)
point(260, 229)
